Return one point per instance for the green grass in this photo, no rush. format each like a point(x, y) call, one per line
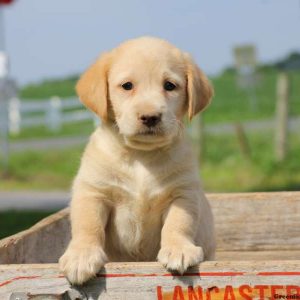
point(47, 170)
point(74, 129)
point(43, 90)
point(232, 103)
point(224, 168)
point(12, 222)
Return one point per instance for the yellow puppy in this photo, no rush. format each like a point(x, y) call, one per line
point(137, 195)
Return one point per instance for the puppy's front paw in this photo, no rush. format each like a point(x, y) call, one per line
point(180, 257)
point(81, 262)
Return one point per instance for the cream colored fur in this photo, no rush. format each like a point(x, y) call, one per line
point(137, 196)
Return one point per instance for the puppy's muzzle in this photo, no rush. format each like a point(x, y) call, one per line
point(150, 120)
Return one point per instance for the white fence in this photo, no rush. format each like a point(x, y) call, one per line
point(51, 113)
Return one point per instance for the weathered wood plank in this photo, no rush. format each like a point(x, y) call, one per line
point(257, 221)
point(244, 222)
point(258, 255)
point(42, 243)
point(151, 281)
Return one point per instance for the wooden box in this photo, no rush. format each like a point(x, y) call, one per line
point(258, 257)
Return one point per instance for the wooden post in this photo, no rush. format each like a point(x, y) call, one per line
point(14, 116)
point(242, 140)
point(4, 146)
point(7, 90)
point(54, 114)
point(282, 107)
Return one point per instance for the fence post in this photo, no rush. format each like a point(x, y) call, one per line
point(7, 89)
point(282, 111)
point(4, 143)
point(14, 115)
point(54, 116)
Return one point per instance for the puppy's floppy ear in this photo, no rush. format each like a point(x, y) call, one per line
point(199, 89)
point(92, 87)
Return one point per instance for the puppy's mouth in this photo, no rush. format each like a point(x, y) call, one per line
point(149, 135)
point(150, 132)
point(148, 139)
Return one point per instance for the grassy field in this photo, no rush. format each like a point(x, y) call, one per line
point(43, 170)
point(74, 129)
point(224, 170)
point(232, 103)
point(45, 89)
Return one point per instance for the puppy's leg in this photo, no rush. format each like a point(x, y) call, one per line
point(85, 254)
point(178, 250)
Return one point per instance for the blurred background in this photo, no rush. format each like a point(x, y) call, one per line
point(247, 140)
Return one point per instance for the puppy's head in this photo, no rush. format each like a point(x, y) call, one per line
point(145, 86)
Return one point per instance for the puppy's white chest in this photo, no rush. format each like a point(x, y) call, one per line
point(143, 183)
point(142, 192)
point(137, 219)
point(138, 184)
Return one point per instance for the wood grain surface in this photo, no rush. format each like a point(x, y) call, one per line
point(248, 222)
point(150, 281)
point(258, 256)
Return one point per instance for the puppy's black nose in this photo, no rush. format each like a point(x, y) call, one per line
point(150, 120)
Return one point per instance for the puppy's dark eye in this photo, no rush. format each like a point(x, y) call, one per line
point(169, 86)
point(127, 86)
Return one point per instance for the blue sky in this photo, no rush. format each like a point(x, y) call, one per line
point(49, 39)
